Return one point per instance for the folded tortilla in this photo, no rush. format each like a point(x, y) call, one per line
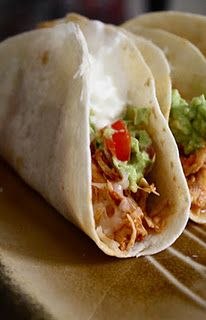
point(153, 56)
point(160, 69)
point(187, 63)
point(184, 24)
point(49, 80)
point(188, 75)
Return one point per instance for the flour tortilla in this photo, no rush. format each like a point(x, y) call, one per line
point(153, 56)
point(45, 90)
point(186, 25)
point(159, 66)
point(187, 63)
point(188, 67)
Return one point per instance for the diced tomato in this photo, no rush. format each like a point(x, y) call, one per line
point(119, 125)
point(120, 143)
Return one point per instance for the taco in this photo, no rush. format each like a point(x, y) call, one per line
point(186, 25)
point(188, 109)
point(80, 123)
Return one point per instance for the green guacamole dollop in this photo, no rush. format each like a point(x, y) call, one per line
point(136, 120)
point(136, 166)
point(187, 122)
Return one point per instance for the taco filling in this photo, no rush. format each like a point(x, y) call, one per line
point(122, 156)
point(188, 124)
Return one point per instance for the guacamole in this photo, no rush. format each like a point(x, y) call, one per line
point(140, 160)
point(187, 122)
point(136, 166)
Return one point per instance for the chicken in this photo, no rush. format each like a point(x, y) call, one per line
point(96, 173)
point(108, 170)
point(197, 186)
point(194, 168)
point(194, 162)
point(120, 213)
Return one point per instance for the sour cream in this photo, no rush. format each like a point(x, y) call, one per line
point(107, 97)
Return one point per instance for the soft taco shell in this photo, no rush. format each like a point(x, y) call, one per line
point(44, 122)
point(159, 66)
point(186, 25)
point(152, 55)
point(187, 63)
point(188, 68)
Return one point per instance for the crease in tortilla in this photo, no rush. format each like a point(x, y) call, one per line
point(45, 94)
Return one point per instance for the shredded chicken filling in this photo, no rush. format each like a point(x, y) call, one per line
point(194, 168)
point(121, 214)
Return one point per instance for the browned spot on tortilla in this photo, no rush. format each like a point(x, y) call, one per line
point(45, 57)
point(47, 24)
point(147, 83)
point(163, 129)
point(174, 178)
point(19, 163)
point(171, 164)
point(75, 18)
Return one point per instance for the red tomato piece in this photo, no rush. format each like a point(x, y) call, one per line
point(119, 125)
point(120, 143)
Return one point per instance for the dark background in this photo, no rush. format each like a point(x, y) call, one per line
point(18, 16)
